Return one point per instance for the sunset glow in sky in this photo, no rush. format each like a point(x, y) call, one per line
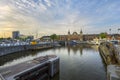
point(58, 16)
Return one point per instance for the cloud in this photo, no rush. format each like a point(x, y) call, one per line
point(58, 16)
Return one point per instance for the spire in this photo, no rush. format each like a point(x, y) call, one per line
point(81, 31)
point(69, 32)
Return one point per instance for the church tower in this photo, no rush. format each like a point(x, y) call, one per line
point(68, 36)
point(68, 32)
point(81, 35)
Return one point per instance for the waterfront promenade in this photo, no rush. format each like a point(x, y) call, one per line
point(11, 48)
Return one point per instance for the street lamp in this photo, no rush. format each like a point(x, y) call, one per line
point(110, 31)
point(118, 30)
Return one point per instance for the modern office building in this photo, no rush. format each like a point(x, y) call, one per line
point(15, 34)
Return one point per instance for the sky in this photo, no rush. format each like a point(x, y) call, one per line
point(45, 17)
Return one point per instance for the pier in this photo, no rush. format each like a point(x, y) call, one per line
point(41, 68)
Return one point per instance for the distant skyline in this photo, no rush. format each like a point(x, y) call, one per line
point(58, 16)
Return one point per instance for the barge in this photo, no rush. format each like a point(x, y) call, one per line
point(41, 68)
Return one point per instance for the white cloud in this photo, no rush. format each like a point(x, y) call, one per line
point(48, 2)
point(42, 7)
point(53, 16)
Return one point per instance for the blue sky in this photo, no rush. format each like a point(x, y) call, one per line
point(58, 16)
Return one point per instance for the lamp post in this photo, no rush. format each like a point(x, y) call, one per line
point(110, 31)
point(118, 30)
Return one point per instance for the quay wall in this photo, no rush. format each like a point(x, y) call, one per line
point(54, 66)
point(111, 55)
point(11, 49)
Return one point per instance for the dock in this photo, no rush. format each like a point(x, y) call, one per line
point(41, 68)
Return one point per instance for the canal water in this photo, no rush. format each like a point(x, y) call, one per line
point(76, 62)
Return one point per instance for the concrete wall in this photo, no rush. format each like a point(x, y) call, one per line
point(11, 49)
point(53, 66)
point(42, 71)
point(111, 55)
point(117, 53)
point(108, 52)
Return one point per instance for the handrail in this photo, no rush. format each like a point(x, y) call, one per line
point(1, 77)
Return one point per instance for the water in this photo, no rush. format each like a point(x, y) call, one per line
point(76, 62)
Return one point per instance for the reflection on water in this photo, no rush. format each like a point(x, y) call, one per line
point(76, 62)
point(18, 57)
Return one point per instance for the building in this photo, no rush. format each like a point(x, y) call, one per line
point(81, 37)
point(113, 37)
point(45, 38)
point(30, 37)
point(15, 34)
point(26, 37)
point(75, 36)
point(78, 36)
point(90, 37)
point(72, 36)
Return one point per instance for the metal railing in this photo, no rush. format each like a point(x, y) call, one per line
point(1, 78)
point(21, 43)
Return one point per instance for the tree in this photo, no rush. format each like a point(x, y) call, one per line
point(53, 37)
point(1, 39)
point(103, 35)
point(9, 38)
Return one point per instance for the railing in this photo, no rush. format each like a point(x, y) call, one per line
point(1, 78)
point(22, 43)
